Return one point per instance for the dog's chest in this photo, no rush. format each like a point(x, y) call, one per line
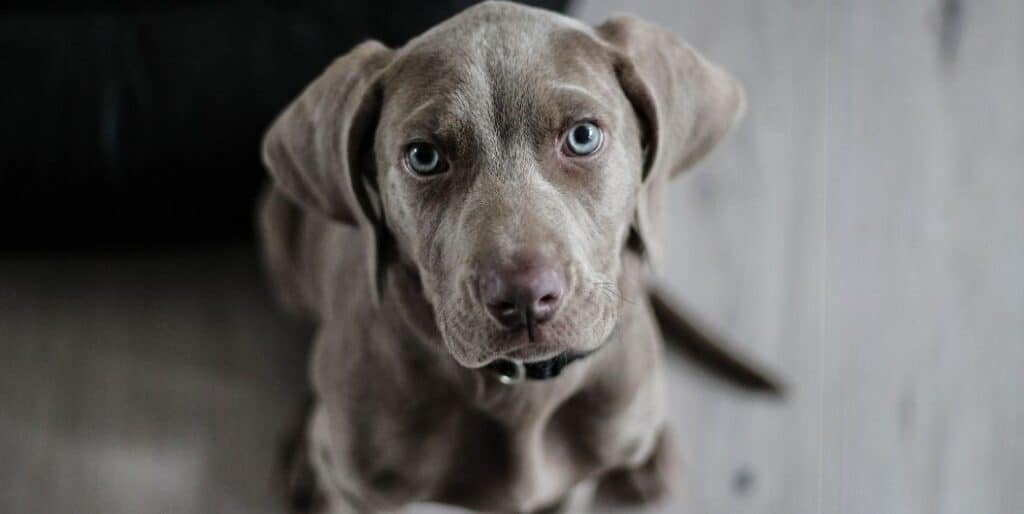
point(526, 457)
point(507, 456)
point(507, 449)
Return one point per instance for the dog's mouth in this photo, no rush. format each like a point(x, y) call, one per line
point(475, 340)
point(531, 342)
point(537, 344)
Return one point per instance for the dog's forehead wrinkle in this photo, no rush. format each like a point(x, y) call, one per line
point(490, 64)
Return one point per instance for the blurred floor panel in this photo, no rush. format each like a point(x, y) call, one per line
point(145, 384)
point(157, 383)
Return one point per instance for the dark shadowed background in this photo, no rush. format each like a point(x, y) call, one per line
point(138, 123)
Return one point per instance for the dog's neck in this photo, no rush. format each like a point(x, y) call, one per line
point(403, 294)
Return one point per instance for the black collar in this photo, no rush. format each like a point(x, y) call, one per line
point(512, 372)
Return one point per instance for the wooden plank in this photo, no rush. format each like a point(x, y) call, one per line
point(924, 302)
point(745, 245)
point(143, 384)
point(863, 232)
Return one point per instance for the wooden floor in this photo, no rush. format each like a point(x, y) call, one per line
point(143, 384)
point(862, 232)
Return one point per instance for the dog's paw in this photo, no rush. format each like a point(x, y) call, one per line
point(303, 492)
point(650, 482)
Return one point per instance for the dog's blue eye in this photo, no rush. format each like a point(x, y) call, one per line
point(424, 159)
point(583, 139)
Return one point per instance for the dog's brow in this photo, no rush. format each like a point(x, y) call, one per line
point(411, 117)
point(577, 89)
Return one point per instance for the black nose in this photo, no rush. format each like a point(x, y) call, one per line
point(525, 293)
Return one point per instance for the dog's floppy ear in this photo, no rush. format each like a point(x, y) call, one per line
point(317, 151)
point(685, 103)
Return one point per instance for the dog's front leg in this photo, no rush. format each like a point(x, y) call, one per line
point(647, 483)
point(579, 500)
point(331, 497)
point(340, 505)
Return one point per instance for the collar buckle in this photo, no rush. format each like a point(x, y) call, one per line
point(509, 372)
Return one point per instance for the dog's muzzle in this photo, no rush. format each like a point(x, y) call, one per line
point(511, 372)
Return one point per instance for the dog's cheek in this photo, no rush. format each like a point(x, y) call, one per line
point(616, 209)
point(603, 317)
point(399, 212)
point(597, 232)
point(588, 321)
point(464, 336)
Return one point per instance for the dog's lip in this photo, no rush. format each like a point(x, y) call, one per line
point(519, 347)
point(530, 354)
point(527, 351)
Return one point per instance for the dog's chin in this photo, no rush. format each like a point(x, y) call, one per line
point(475, 341)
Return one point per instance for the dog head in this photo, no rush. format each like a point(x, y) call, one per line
point(510, 156)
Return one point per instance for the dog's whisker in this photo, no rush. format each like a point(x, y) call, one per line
point(612, 290)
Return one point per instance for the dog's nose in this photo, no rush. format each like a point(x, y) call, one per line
point(526, 293)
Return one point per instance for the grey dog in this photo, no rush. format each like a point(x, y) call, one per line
point(468, 220)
